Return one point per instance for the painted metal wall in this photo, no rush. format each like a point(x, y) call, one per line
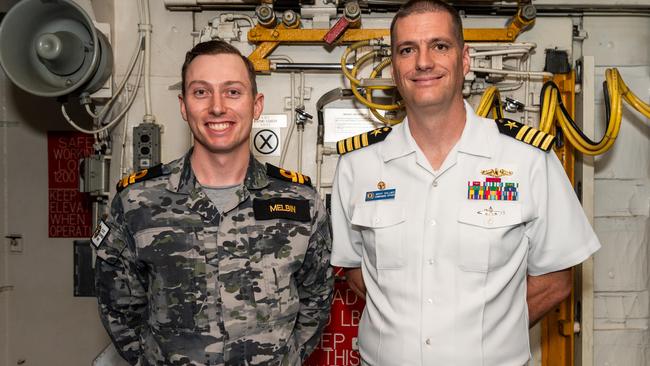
point(622, 200)
point(40, 321)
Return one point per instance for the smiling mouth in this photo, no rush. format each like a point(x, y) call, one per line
point(218, 126)
point(426, 79)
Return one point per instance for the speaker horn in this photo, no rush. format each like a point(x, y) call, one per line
point(51, 48)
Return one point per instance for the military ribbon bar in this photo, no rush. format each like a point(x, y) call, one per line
point(492, 189)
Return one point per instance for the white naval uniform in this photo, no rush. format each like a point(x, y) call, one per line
point(446, 275)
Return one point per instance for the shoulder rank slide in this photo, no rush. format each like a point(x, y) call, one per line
point(287, 175)
point(359, 141)
point(153, 172)
point(525, 133)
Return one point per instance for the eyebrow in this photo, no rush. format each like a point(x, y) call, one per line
point(225, 83)
point(428, 41)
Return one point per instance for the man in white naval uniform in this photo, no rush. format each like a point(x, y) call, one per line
point(464, 229)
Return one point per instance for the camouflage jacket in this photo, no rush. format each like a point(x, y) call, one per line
point(179, 283)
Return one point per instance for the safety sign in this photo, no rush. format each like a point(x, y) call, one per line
point(266, 142)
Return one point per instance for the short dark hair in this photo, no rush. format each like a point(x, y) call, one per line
point(216, 47)
point(428, 6)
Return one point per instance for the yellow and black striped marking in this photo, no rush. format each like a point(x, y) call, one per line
point(287, 175)
point(365, 139)
point(527, 134)
point(155, 171)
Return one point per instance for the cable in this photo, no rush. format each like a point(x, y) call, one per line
point(146, 28)
point(362, 99)
point(355, 83)
point(130, 68)
point(490, 102)
point(116, 119)
point(389, 121)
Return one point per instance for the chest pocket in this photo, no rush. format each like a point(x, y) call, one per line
point(490, 232)
point(382, 225)
point(176, 270)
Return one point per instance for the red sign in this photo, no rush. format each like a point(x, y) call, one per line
point(338, 344)
point(69, 211)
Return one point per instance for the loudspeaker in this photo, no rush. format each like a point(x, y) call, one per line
point(51, 48)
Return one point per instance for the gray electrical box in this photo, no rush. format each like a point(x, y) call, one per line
point(94, 175)
point(146, 146)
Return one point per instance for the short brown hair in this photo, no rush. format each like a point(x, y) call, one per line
point(216, 47)
point(428, 6)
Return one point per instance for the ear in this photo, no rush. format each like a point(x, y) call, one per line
point(182, 103)
point(258, 105)
point(466, 59)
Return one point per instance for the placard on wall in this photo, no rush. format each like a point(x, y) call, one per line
point(69, 211)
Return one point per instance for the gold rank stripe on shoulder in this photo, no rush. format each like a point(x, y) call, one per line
point(525, 133)
point(287, 175)
point(359, 141)
point(145, 174)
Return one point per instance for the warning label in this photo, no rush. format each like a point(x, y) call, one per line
point(338, 344)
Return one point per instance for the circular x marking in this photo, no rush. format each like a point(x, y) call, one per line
point(266, 142)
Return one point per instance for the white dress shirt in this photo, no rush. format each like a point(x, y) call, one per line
point(446, 274)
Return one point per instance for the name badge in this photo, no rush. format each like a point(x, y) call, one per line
point(100, 233)
point(385, 194)
point(281, 208)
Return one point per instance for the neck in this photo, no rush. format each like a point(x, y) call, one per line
point(221, 169)
point(437, 130)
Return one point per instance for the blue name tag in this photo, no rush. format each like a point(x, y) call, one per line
point(386, 194)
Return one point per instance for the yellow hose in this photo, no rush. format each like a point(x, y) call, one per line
point(355, 83)
point(389, 121)
point(490, 102)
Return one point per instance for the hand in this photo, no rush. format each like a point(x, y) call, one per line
point(355, 281)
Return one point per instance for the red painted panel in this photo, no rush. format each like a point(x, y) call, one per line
point(69, 211)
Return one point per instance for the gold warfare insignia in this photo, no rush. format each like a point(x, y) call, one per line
point(381, 185)
point(287, 175)
point(490, 212)
point(496, 173)
point(526, 134)
point(360, 141)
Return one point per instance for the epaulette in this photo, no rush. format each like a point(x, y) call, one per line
point(525, 133)
point(287, 175)
point(153, 172)
point(359, 141)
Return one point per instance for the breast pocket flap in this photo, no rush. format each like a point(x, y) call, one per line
point(378, 214)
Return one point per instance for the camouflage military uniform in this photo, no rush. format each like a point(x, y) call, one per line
point(180, 283)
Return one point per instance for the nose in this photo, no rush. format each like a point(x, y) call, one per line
point(217, 107)
point(424, 60)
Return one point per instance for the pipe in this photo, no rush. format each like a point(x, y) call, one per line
point(329, 97)
point(308, 67)
point(148, 116)
point(292, 112)
point(301, 127)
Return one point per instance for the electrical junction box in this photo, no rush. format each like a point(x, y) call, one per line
point(94, 175)
point(146, 146)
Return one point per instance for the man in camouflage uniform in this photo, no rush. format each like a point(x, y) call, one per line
point(215, 259)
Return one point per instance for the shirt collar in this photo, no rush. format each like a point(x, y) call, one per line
point(478, 134)
point(398, 143)
point(183, 180)
point(476, 139)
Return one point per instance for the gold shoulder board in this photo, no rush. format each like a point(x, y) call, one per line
point(526, 134)
point(287, 175)
point(360, 141)
point(153, 172)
